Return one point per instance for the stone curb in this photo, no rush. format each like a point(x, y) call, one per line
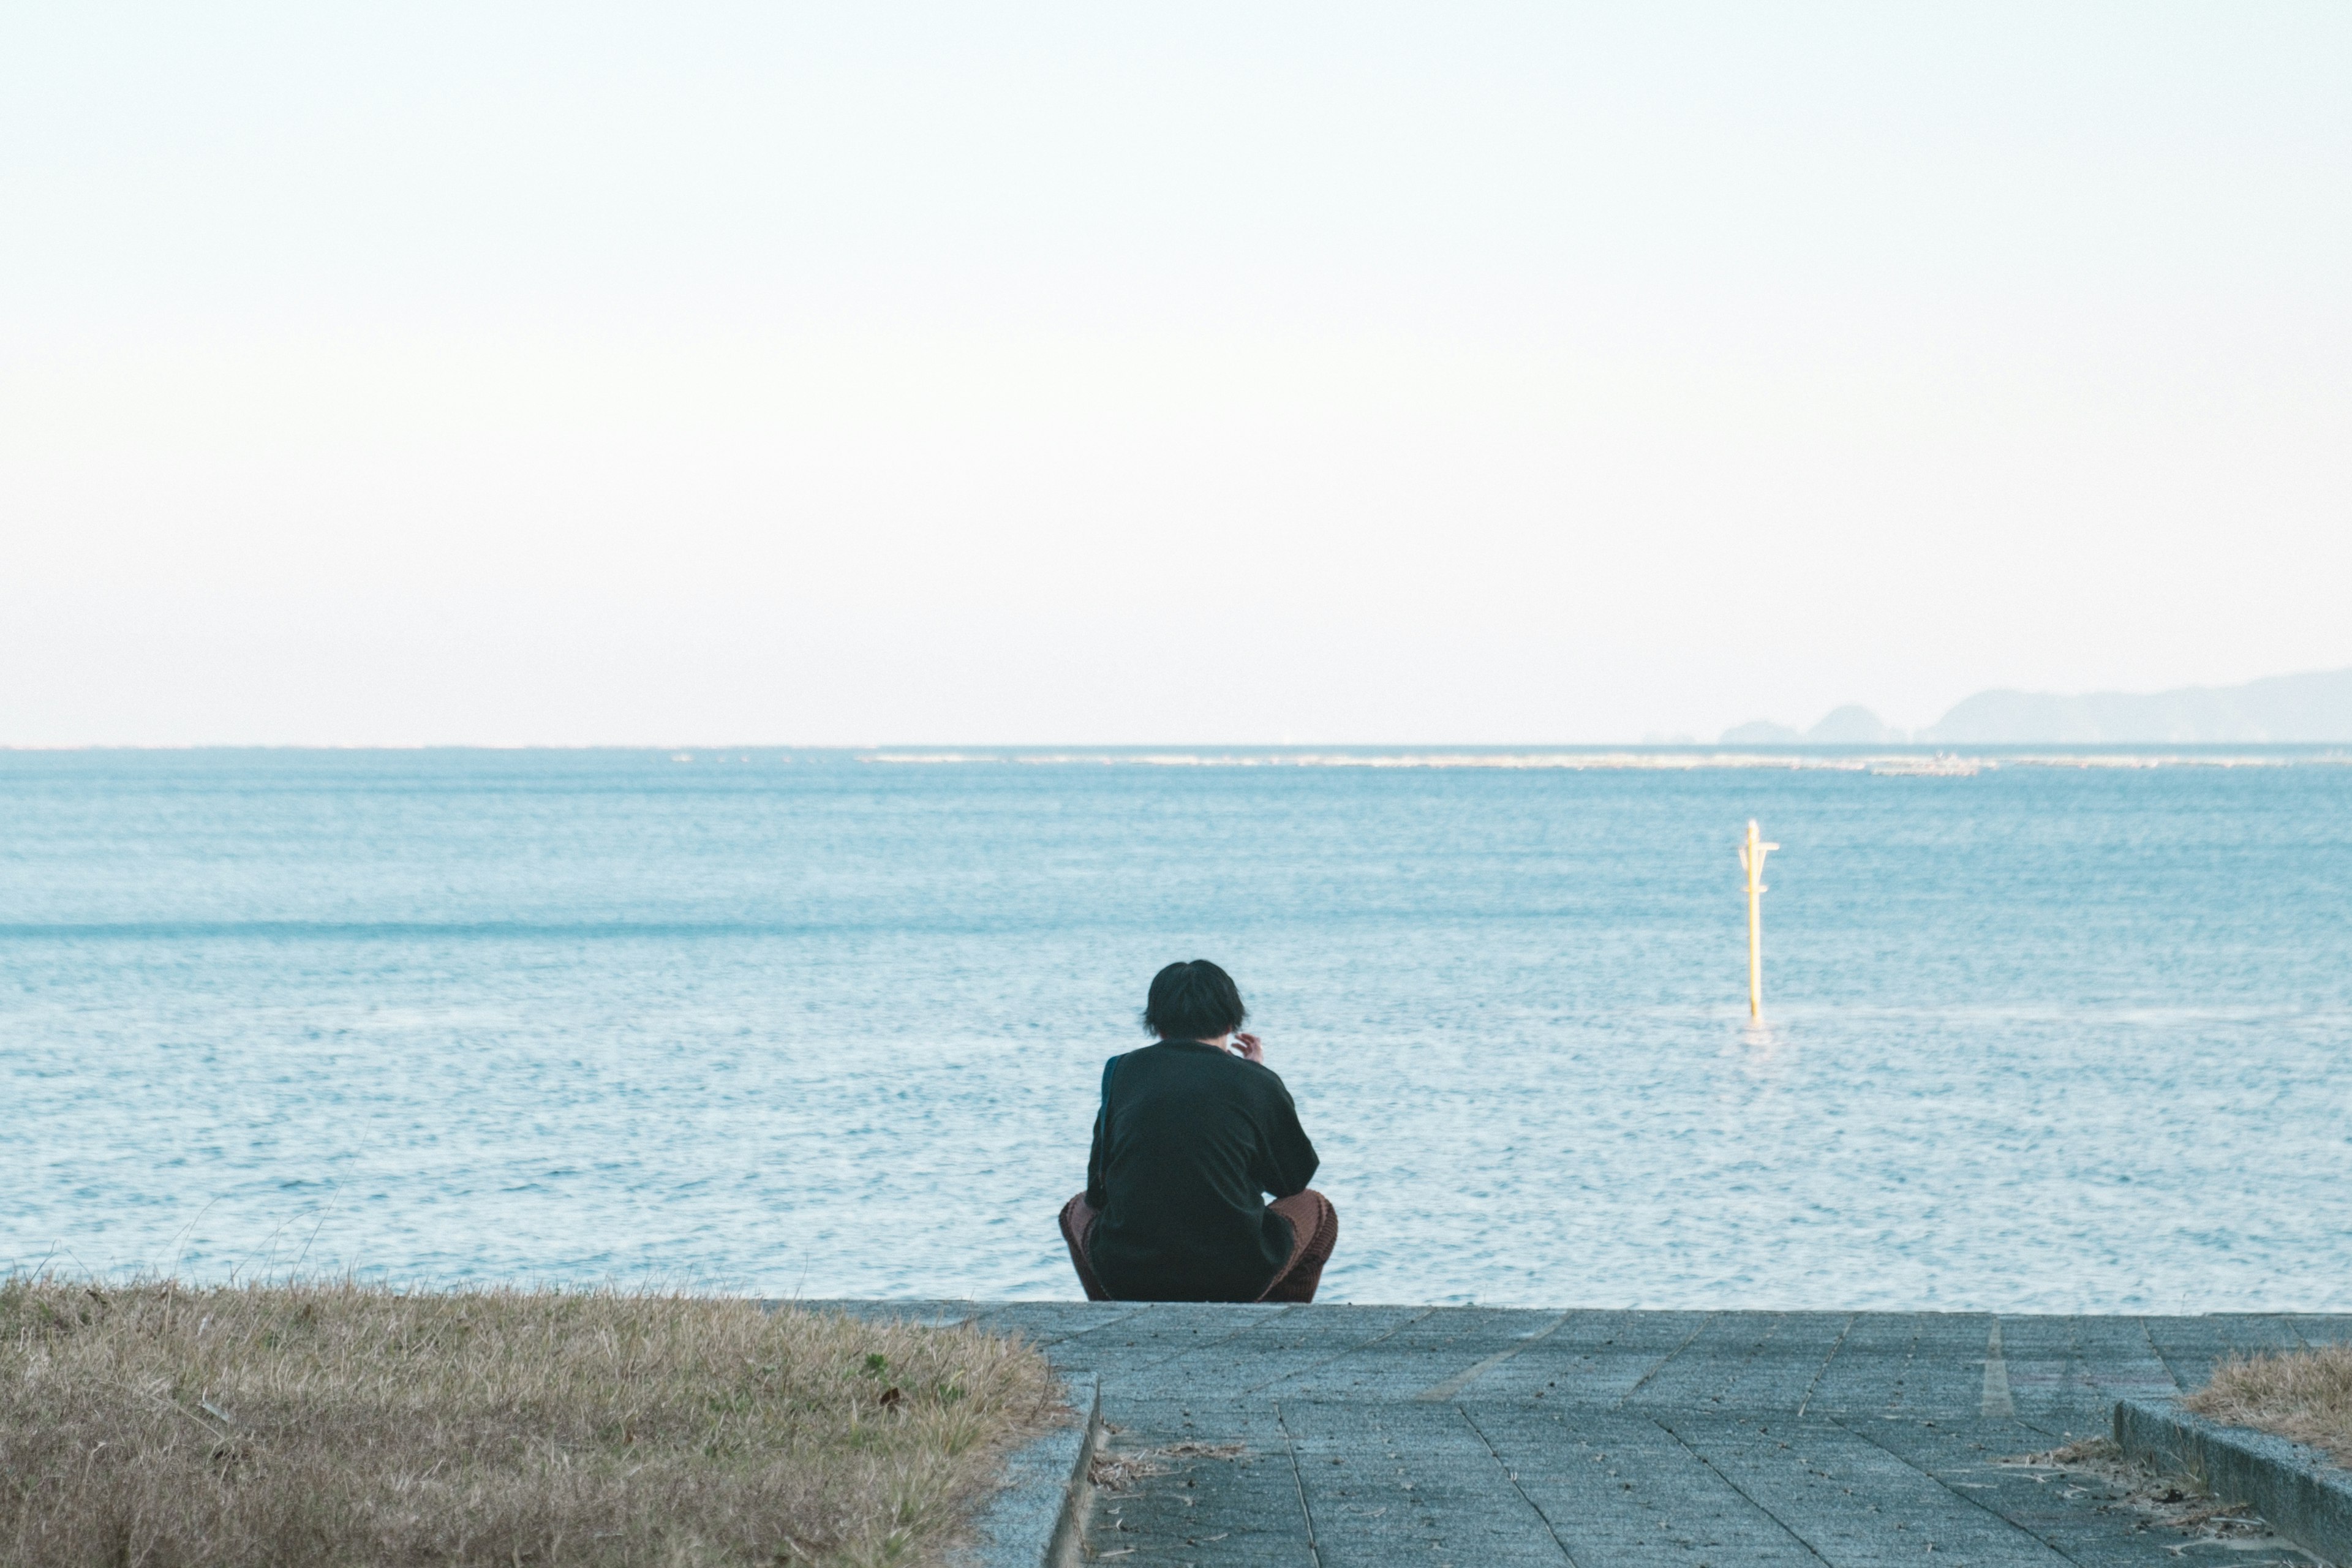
point(2303, 1494)
point(1038, 1518)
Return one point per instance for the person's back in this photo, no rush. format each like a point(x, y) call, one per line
point(1189, 1138)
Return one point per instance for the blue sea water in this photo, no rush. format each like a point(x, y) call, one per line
point(2040, 1036)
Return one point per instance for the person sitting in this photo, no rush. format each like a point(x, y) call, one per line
point(1192, 1133)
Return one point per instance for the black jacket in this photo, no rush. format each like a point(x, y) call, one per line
point(1189, 1139)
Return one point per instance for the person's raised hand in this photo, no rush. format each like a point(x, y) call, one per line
point(1250, 1048)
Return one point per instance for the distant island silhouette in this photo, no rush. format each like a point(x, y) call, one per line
point(2280, 710)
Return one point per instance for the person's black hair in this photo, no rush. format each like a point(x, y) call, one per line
point(1195, 1001)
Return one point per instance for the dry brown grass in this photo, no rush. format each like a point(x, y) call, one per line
point(2302, 1394)
point(158, 1427)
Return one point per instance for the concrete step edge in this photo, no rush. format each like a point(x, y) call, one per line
point(1037, 1516)
point(2304, 1494)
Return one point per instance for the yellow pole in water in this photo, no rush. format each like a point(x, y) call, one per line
point(1751, 860)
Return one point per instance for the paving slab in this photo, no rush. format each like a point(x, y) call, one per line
point(2190, 1347)
point(1854, 1504)
point(1170, 1493)
point(1983, 1461)
point(1432, 1357)
point(1347, 1436)
point(2069, 1372)
point(1595, 1357)
point(1379, 1480)
point(1617, 1488)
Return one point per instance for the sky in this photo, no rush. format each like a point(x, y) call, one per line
point(1044, 373)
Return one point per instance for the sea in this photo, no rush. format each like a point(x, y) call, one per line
point(2042, 1031)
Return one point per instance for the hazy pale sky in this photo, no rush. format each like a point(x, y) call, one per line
point(812, 373)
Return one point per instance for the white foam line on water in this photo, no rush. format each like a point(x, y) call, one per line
point(1604, 761)
point(1997, 1401)
point(1891, 765)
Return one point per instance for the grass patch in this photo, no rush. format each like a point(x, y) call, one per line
point(158, 1427)
point(2305, 1395)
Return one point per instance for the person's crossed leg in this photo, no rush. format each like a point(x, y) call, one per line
point(1314, 1233)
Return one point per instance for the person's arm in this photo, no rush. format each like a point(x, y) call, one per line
point(1286, 1159)
point(1097, 1196)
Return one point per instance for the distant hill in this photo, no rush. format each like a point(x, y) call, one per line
point(2282, 709)
point(1852, 725)
point(1761, 733)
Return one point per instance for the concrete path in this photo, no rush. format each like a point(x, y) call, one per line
point(1333, 1437)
